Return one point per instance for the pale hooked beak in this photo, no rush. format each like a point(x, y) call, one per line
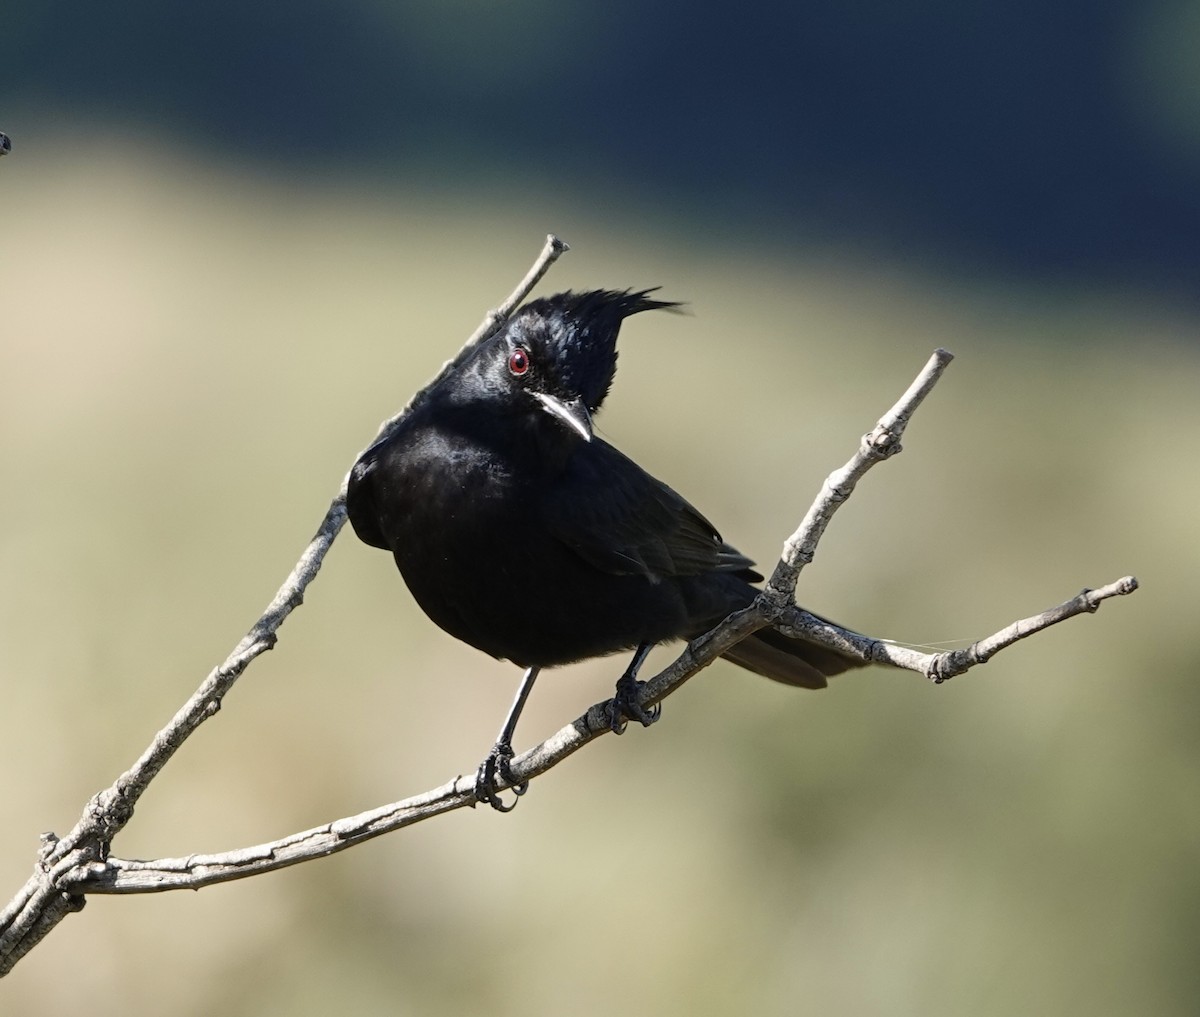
point(574, 413)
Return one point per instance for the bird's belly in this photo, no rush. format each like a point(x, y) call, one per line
point(479, 562)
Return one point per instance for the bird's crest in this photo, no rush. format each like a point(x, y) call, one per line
point(577, 334)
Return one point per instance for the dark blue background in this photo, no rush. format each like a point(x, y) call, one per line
point(1002, 137)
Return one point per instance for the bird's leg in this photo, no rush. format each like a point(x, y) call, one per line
point(497, 761)
point(625, 703)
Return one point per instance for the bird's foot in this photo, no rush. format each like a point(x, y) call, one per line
point(624, 706)
point(498, 764)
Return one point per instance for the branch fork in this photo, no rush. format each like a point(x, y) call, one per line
point(80, 863)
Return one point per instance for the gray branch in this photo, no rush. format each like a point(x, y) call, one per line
point(80, 864)
point(121, 875)
point(879, 444)
point(47, 897)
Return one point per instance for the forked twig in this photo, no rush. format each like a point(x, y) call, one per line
point(80, 864)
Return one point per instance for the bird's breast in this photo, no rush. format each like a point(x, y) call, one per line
point(468, 529)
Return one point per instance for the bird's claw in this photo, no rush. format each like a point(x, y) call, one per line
point(624, 706)
point(498, 764)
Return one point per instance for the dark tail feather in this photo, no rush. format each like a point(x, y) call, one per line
point(771, 654)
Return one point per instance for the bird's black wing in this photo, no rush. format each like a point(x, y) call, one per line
point(621, 520)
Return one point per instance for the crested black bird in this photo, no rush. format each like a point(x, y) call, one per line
point(523, 534)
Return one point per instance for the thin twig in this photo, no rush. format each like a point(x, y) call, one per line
point(940, 667)
point(879, 444)
point(551, 252)
point(944, 666)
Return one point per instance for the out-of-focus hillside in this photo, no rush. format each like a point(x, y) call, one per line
point(192, 357)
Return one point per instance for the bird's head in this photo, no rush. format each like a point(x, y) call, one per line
point(561, 351)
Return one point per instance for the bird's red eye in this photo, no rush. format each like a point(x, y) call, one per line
point(518, 361)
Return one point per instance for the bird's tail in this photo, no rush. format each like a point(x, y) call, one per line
point(792, 661)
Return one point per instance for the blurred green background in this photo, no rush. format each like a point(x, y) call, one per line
point(235, 240)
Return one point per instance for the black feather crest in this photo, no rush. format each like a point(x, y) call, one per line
point(578, 332)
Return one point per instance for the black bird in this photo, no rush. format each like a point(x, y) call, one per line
point(523, 534)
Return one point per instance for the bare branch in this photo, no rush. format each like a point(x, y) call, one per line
point(878, 445)
point(119, 875)
point(947, 665)
point(79, 864)
point(554, 249)
point(940, 667)
point(551, 252)
point(43, 901)
point(116, 875)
